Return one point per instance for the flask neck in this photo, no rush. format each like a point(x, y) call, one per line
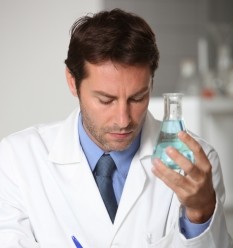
point(173, 106)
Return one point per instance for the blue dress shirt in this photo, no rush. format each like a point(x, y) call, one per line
point(123, 160)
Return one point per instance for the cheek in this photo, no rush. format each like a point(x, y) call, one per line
point(99, 117)
point(139, 113)
point(89, 105)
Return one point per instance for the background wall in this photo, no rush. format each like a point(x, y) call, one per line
point(33, 46)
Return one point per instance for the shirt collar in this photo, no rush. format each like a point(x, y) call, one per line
point(93, 152)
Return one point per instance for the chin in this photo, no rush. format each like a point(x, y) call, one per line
point(117, 147)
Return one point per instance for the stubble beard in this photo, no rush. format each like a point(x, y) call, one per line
point(99, 135)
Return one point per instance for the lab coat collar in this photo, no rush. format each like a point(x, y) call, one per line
point(66, 148)
point(149, 136)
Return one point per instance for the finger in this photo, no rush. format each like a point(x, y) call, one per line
point(188, 167)
point(201, 159)
point(171, 178)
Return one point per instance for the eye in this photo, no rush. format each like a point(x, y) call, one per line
point(106, 101)
point(137, 99)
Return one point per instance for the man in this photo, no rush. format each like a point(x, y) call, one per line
point(50, 192)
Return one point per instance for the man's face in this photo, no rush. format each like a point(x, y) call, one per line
point(113, 101)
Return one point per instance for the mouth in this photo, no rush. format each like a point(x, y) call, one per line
point(121, 135)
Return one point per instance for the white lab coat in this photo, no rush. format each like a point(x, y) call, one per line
point(48, 194)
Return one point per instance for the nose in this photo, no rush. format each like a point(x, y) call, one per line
point(123, 115)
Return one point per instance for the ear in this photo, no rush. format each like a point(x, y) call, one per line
point(71, 82)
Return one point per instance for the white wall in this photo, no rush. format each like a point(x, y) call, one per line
point(33, 47)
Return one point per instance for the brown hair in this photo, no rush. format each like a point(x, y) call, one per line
point(114, 35)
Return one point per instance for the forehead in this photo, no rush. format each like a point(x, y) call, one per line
point(110, 71)
point(115, 79)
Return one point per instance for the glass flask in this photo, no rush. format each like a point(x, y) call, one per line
point(172, 124)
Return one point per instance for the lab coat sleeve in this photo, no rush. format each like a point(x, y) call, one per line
point(216, 235)
point(15, 228)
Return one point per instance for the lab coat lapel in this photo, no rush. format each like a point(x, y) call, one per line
point(87, 197)
point(88, 207)
point(137, 175)
point(132, 190)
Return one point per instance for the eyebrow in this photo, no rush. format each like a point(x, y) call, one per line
point(143, 91)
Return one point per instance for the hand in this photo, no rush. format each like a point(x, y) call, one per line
point(195, 189)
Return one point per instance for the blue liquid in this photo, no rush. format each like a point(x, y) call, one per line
point(168, 137)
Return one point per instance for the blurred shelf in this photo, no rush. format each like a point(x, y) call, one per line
point(218, 105)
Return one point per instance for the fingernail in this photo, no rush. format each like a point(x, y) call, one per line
point(156, 161)
point(181, 134)
point(169, 149)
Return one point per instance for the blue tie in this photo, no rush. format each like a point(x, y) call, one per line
point(103, 176)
